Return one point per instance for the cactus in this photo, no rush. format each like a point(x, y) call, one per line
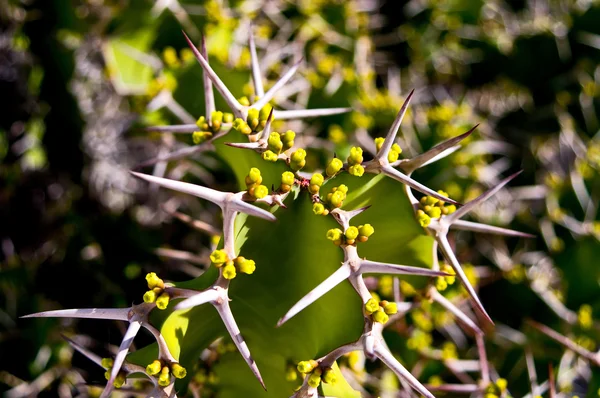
point(305, 217)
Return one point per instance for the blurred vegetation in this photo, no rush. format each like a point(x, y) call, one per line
point(76, 231)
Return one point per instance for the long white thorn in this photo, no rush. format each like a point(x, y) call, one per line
point(209, 194)
point(240, 206)
point(233, 103)
point(204, 297)
point(308, 113)
point(117, 314)
point(179, 128)
point(398, 176)
point(84, 351)
point(426, 158)
point(468, 207)
point(374, 267)
point(461, 316)
point(225, 312)
point(327, 285)
point(487, 229)
point(446, 250)
point(386, 357)
point(256, 75)
point(391, 135)
point(184, 152)
point(209, 96)
point(264, 100)
point(130, 334)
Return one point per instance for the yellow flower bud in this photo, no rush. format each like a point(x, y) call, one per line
point(307, 366)
point(351, 233)
point(329, 376)
point(288, 178)
point(119, 380)
point(229, 271)
point(380, 316)
point(356, 170)
point(154, 368)
point(356, 156)
point(317, 179)
point(198, 137)
point(334, 166)
point(390, 308)
point(269, 156)
point(260, 191)
point(318, 209)
point(149, 296)
point(245, 266)
point(178, 371)
point(371, 306)
point(379, 143)
point(107, 363)
point(334, 234)
point(219, 257)
point(165, 378)
point(154, 281)
point(163, 301)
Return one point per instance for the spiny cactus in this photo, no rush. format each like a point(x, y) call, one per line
point(279, 267)
point(277, 153)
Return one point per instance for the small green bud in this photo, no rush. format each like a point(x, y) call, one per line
point(298, 156)
point(228, 117)
point(107, 363)
point(274, 142)
point(337, 199)
point(366, 230)
point(351, 233)
point(423, 218)
point(334, 166)
point(315, 378)
point(119, 380)
point(441, 284)
point(245, 266)
point(434, 212)
point(165, 378)
point(253, 177)
point(288, 139)
point(288, 178)
point(449, 209)
point(429, 200)
point(163, 301)
point(229, 271)
point(390, 308)
point(307, 366)
point(260, 191)
point(393, 156)
point(356, 170)
point(356, 156)
point(201, 123)
point(269, 156)
point(298, 159)
point(318, 209)
point(219, 257)
point(371, 306)
point(198, 137)
point(380, 316)
point(334, 234)
point(317, 179)
point(379, 143)
point(264, 113)
point(154, 281)
point(329, 376)
point(178, 371)
point(241, 126)
point(149, 296)
point(154, 368)
point(216, 119)
point(252, 118)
